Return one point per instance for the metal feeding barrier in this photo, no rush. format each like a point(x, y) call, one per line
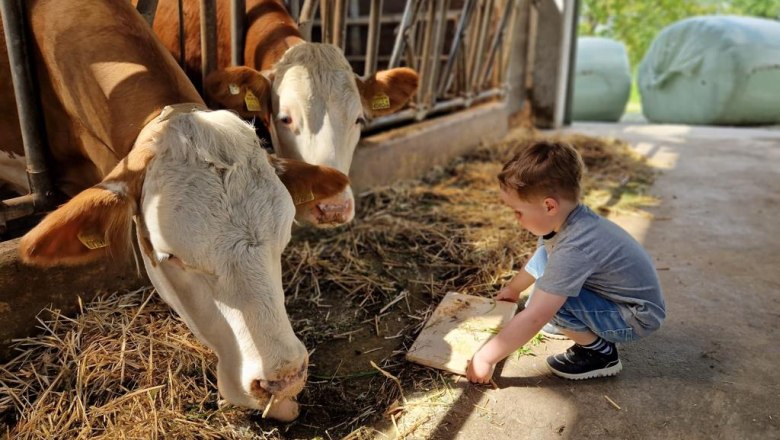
point(460, 49)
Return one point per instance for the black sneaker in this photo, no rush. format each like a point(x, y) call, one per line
point(580, 363)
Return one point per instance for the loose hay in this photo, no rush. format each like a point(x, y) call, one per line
point(357, 296)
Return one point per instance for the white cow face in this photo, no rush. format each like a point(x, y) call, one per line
point(315, 109)
point(213, 218)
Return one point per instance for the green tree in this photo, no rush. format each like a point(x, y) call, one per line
point(636, 22)
point(756, 8)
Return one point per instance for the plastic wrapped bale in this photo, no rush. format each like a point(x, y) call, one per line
point(715, 70)
point(602, 80)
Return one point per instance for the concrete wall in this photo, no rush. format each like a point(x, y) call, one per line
point(25, 290)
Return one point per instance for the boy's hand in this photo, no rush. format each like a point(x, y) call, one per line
point(507, 294)
point(479, 371)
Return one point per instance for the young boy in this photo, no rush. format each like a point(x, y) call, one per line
point(594, 282)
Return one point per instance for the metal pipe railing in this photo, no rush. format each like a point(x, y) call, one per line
point(497, 39)
point(208, 37)
point(339, 23)
point(460, 31)
point(237, 25)
point(372, 45)
point(30, 117)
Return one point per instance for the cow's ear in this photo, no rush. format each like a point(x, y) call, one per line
point(241, 89)
point(95, 224)
point(387, 91)
point(306, 182)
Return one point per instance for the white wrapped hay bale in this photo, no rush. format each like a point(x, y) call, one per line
point(716, 70)
point(602, 80)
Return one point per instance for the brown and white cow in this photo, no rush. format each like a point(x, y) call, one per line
point(307, 95)
point(131, 139)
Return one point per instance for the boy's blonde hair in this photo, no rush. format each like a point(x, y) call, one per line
point(544, 169)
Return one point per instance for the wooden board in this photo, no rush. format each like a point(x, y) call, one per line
point(458, 327)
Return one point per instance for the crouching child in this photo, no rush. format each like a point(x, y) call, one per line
point(595, 284)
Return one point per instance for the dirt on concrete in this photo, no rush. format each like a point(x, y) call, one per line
point(710, 371)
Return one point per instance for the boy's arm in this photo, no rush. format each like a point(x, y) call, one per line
point(512, 290)
point(519, 331)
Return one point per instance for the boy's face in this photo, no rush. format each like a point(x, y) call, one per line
point(535, 215)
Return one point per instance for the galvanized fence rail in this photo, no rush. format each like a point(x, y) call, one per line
point(460, 48)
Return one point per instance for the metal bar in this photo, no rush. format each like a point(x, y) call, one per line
point(372, 46)
point(237, 24)
point(208, 37)
point(438, 46)
point(479, 60)
point(339, 23)
point(425, 65)
point(403, 27)
point(440, 107)
point(28, 107)
point(567, 18)
point(325, 20)
point(147, 9)
point(455, 53)
point(306, 19)
point(16, 208)
point(470, 45)
point(519, 6)
point(498, 38)
point(567, 113)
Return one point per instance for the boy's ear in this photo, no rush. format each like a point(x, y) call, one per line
point(387, 91)
point(551, 205)
point(241, 89)
point(306, 182)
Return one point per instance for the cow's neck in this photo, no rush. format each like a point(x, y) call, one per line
point(270, 34)
point(99, 95)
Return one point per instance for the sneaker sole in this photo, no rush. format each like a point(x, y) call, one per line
point(553, 336)
point(603, 372)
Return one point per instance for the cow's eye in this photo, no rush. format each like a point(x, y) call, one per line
point(285, 119)
point(361, 121)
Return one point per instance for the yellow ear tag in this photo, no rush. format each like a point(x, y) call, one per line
point(234, 89)
point(380, 101)
point(251, 101)
point(300, 200)
point(92, 240)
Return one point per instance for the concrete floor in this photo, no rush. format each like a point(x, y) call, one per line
point(711, 371)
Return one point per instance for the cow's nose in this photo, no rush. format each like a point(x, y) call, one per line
point(287, 385)
point(335, 212)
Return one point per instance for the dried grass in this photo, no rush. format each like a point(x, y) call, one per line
point(357, 297)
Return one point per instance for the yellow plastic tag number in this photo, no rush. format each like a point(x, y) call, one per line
point(92, 240)
point(380, 101)
point(300, 199)
point(251, 101)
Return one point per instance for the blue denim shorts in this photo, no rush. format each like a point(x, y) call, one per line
point(588, 311)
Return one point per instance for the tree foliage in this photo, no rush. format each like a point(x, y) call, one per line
point(637, 22)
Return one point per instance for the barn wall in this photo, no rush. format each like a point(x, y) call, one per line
point(25, 291)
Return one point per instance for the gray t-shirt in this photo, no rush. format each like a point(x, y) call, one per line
point(593, 253)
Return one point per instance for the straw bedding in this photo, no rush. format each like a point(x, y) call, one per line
point(126, 367)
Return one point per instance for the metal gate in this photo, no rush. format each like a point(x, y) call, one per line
point(460, 48)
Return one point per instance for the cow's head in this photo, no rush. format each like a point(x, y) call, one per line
point(315, 105)
point(212, 217)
